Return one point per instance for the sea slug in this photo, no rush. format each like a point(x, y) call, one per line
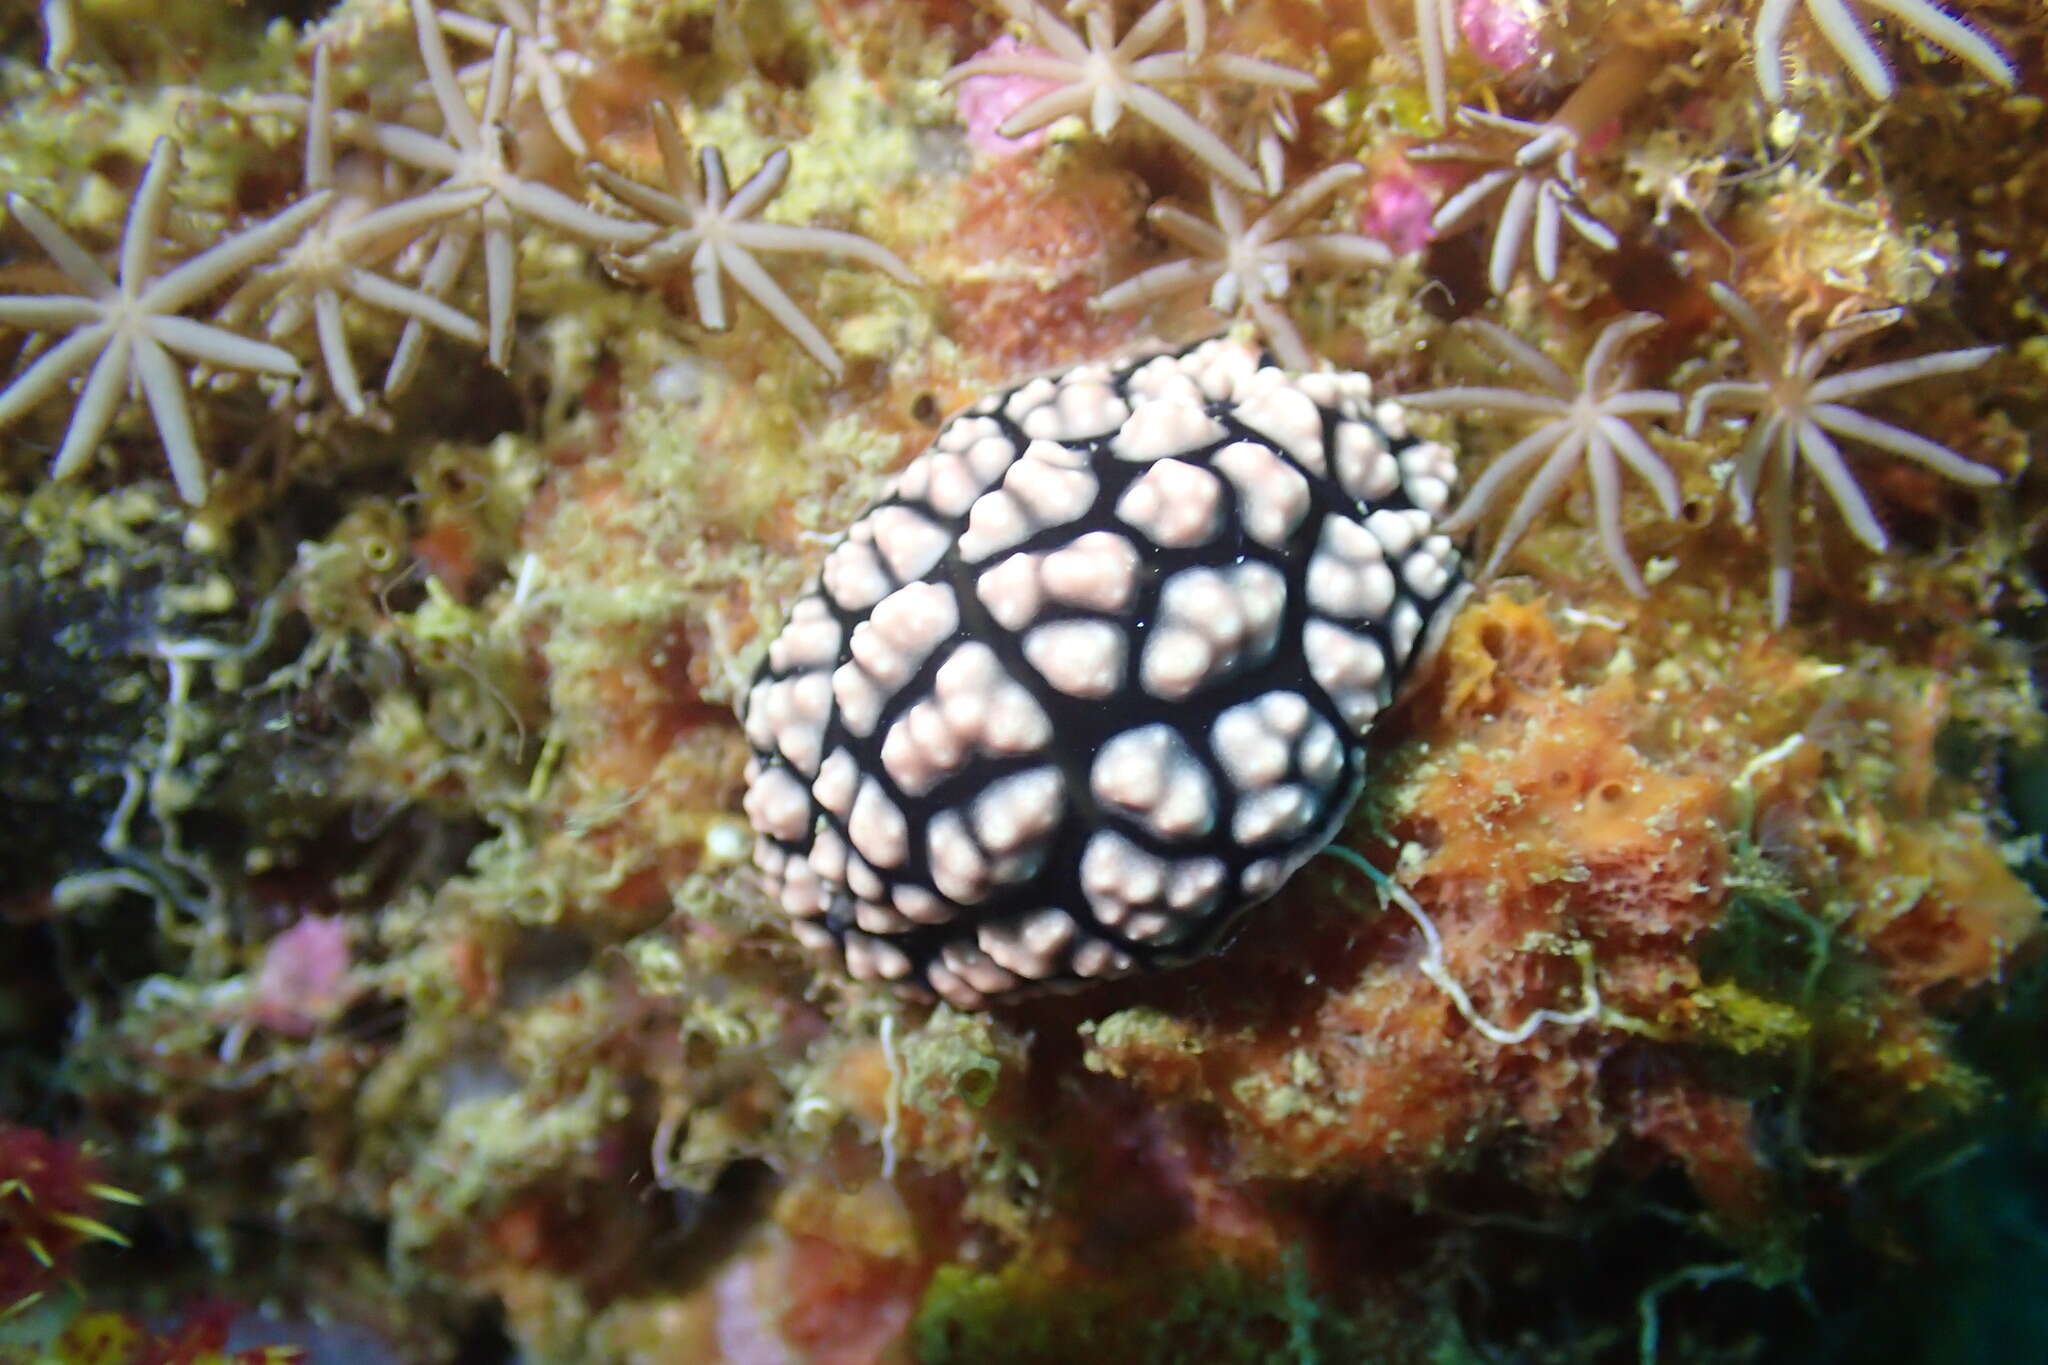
point(1093, 676)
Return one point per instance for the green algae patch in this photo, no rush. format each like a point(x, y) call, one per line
point(1216, 1311)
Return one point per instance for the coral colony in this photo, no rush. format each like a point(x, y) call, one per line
point(1589, 423)
point(1251, 265)
point(133, 326)
point(711, 227)
point(519, 518)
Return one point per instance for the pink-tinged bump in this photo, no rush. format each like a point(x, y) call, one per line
point(986, 101)
point(1398, 206)
point(1503, 33)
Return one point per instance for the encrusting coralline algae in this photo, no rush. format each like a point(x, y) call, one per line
point(412, 439)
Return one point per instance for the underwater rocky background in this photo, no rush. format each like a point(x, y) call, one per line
point(383, 975)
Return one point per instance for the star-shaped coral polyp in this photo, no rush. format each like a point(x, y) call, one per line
point(1792, 409)
point(1536, 165)
point(542, 64)
point(1251, 265)
point(332, 261)
point(1846, 32)
point(1101, 75)
point(470, 154)
point(1588, 423)
point(714, 228)
point(127, 327)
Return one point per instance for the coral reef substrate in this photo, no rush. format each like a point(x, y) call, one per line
point(375, 902)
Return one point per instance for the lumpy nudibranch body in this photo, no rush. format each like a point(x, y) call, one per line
point(1094, 675)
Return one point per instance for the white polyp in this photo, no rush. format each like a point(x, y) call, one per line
point(1427, 572)
point(1097, 570)
point(1018, 811)
point(1027, 398)
point(1272, 496)
point(1150, 773)
point(1365, 468)
point(837, 781)
point(1096, 959)
point(903, 630)
point(1428, 472)
point(810, 640)
point(908, 543)
point(1175, 504)
point(1010, 591)
point(778, 805)
point(877, 827)
point(1253, 755)
point(1273, 813)
point(975, 967)
point(1405, 629)
point(1163, 378)
point(1223, 368)
point(1052, 494)
point(963, 432)
point(990, 457)
point(959, 870)
point(827, 857)
point(995, 523)
point(1320, 754)
point(1290, 419)
point(854, 577)
point(1176, 661)
point(1162, 428)
point(1397, 531)
point(858, 697)
point(1034, 947)
point(920, 906)
point(869, 890)
point(804, 894)
point(1083, 409)
point(1078, 658)
point(921, 748)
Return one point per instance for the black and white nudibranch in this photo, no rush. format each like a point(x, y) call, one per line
point(1093, 677)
